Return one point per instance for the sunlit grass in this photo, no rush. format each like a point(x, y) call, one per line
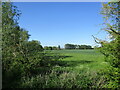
point(76, 60)
point(75, 69)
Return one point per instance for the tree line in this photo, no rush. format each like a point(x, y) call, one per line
point(68, 46)
point(72, 46)
point(52, 47)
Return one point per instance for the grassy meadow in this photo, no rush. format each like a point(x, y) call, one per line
point(29, 63)
point(73, 69)
point(76, 60)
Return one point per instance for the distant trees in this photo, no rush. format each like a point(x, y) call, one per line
point(68, 46)
point(52, 47)
point(72, 46)
point(85, 47)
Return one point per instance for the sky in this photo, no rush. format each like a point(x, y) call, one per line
point(59, 23)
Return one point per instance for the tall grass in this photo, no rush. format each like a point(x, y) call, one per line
point(56, 79)
point(75, 69)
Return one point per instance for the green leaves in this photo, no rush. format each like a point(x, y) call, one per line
point(18, 54)
point(112, 49)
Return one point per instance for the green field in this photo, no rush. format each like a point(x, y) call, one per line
point(73, 69)
point(69, 69)
point(76, 60)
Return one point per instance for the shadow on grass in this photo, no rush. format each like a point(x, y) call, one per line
point(57, 61)
point(57, 57)
point(73, 63)
point(48, 63)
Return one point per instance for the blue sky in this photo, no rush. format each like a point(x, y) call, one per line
point(58, 23)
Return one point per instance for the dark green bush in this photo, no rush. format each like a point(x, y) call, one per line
point(111, 49)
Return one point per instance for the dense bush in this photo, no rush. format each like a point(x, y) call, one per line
point(20, 57)
point(111, 49)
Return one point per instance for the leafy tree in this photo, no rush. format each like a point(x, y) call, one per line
point(72, 46)
point(54, 48)
point(111, 49)
point(10, 43)
point(69, 46)
point(18, 54)
point(45, 47)
point(33, 47)
point(50, 48)
point(89, 47)
point(20, 58)
point(83, 47)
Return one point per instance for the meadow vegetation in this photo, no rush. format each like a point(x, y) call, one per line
point(25, 64)
point(72, 69)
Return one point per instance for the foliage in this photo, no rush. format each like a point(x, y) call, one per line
point(10, 40)
point(111, 49)
point(19, 56)
point(72, 46)
point(77, 69)
point(26, 63)
point(65, 79)
point(52, 48)
point(85, 47)
point(69, 46)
